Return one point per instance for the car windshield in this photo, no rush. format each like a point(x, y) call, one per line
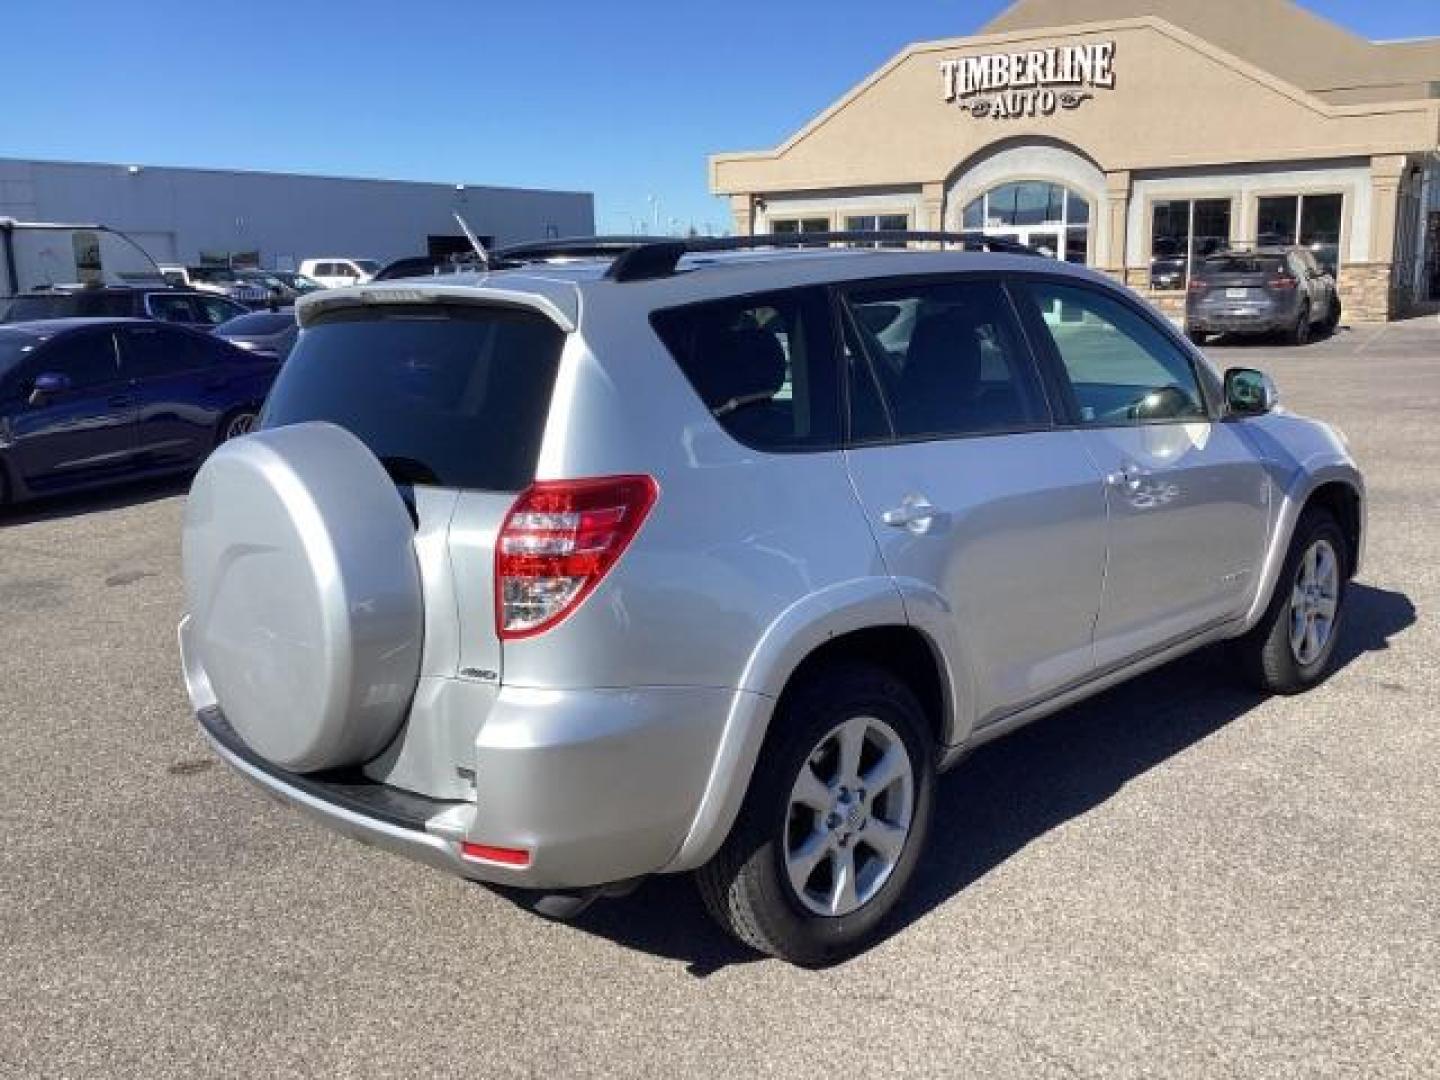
point(257, 324)
point(370, 266)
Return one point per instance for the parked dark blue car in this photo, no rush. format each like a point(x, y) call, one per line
point(84, 402)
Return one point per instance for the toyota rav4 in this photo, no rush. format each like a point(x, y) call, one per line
point(638, 558)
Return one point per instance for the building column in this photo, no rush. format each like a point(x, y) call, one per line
point(1366, 289)
point(932, 208)
point(1117, 219)
point(742, 209)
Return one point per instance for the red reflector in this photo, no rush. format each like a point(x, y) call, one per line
point(503, 855)
point(1281, 282)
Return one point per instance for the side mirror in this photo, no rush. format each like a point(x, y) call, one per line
point(47, 385)
point(1249, 392)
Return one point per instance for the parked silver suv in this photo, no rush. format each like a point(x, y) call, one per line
point(666, 558)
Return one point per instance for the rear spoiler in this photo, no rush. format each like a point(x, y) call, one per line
point(562, 309)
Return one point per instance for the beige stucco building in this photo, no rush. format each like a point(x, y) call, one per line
point(1135, 136)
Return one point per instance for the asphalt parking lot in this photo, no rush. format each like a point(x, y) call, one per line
point(1178, 878)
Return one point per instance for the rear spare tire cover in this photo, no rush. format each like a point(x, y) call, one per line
point(304, 595)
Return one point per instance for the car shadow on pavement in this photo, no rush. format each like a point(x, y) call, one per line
point(1018, 788)
point(131, 493)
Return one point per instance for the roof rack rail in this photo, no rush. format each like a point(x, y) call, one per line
point(640, 258)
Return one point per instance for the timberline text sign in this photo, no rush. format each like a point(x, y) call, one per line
point(1003, 86)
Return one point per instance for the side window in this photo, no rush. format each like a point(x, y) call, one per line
point(1122, 369)
point(88, 359)
point(171, 308)
point(215, 310)
point(155, 351)
point(763, 365)
point(948, 359)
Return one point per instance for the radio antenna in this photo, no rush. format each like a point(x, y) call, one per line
point(480, 252)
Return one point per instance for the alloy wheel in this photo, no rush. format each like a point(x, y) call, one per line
point(1314, 602)
point(849, 816)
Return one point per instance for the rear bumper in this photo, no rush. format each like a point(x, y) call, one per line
point(598, 786)
point(1217, 319)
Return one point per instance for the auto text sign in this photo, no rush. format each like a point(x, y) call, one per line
point(1036, 82)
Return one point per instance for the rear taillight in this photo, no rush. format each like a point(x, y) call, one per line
point(1281, 281)
point(559, 539)
point(1198, 285)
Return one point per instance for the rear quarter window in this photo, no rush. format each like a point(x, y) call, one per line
point(451, 396)
point(764, 366)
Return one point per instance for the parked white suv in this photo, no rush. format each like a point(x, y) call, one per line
point(662, 558)
point(334, 273)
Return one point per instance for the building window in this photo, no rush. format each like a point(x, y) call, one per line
point(1312, 221)
point(879, 223)
point(800, 225)
point(1049, 217)
point(1182, 231)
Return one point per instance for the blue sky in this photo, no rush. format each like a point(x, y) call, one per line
point(623, 99)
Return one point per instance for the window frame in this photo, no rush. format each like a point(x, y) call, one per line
point(846, 324)
point(1047, 352)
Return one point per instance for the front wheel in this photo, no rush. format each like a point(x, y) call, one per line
point(834, 822)
point(1332, 318)
point(1290, 649)
point(1300, 332)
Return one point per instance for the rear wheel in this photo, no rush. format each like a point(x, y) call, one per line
point(834, 822)
point(1300, 332)
point(1197, 337)
point(1291, 648)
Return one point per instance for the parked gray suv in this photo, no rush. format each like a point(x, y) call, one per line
point(1262, 291)
point(671, 558)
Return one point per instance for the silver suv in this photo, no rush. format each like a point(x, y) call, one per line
point(665, 558)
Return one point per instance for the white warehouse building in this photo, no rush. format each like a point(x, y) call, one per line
point(274, 220)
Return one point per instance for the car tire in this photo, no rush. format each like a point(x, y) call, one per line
point(1332, 319)
point(1197, 337)
point(236, 423)
point(750, 887)
point(1300, 332)
point(1278, 655)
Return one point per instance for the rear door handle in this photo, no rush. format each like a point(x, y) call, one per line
point(915, 513)
point(1129, 476)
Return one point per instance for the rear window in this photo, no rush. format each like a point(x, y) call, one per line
point(1244, 264)
point(452, 396)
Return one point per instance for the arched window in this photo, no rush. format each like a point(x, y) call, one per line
point(1046, 216)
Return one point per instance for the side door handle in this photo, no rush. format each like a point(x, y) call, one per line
point(1129, 476)
point(915, 513)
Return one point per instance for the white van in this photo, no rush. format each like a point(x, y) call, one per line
point(45, 255)
point(333, 273)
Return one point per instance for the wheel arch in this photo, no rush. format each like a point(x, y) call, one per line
point(1338, 488)
point(863, 619)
